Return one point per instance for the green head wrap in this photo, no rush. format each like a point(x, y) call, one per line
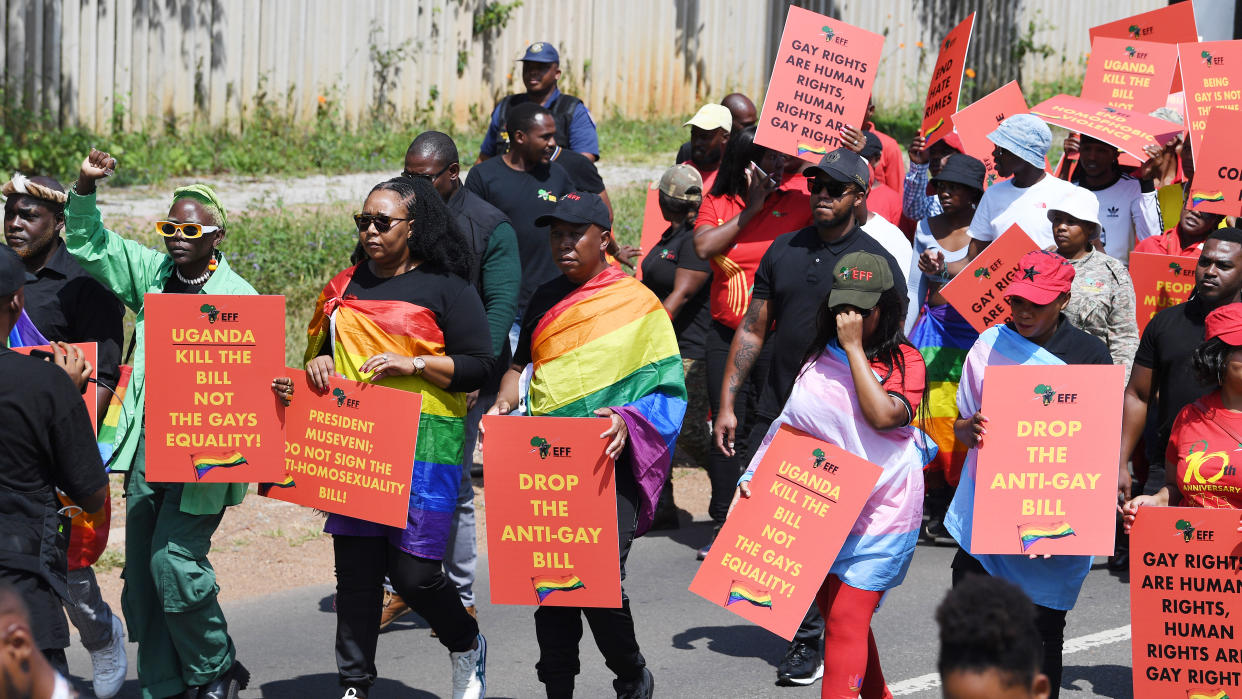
point(206, 196)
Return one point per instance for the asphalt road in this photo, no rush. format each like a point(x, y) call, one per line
point(694, 649)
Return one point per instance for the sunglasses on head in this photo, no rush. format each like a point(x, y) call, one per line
point(425, 176)
point(169, 229)
point(382, 223)
point(832, 187)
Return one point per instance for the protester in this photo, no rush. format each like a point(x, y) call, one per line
point(792, 281)
point(678, 277)
point(881, 199)
point(938, 330)
point(595, 316)
point(860, 389)
point(65, 304)
point(710, 128)
point(926, 160)
point(742, 114)
point(59, 454)
point(1129, 211)
point(1038, 335)
point(24, 672)
point(582, 172)
point(1021, 144)
point(574, 127)
point(1186, 238)
point(745, 210)
point(892, 168)
point(405, 317)
point(496, 274)
point(989, 642)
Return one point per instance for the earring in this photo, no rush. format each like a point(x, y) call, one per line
point(211, 266)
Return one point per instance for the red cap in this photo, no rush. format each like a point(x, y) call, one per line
point(1225, 323)
point(1042, 277)
point(952, 140)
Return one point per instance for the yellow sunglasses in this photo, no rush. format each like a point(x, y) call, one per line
point(169, 229)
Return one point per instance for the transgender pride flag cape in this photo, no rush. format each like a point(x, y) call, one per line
point(610, 344)
point(878, 550)
point(359, 330)
point(1051, 582)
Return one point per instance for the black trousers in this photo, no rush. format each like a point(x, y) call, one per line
point(723, 471)
point(559, 629)
point(361, 564)
point(1050, 622)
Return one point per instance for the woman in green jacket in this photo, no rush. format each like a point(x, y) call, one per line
point(170, 590)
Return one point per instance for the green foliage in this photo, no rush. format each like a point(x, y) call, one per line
point(655, 139)
point(627, 212)
point(493, 16)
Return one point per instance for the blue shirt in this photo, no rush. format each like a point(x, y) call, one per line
point(582, 135)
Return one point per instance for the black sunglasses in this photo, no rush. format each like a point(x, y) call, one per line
point(382, 223)
point(833, 188)
point(429, 178)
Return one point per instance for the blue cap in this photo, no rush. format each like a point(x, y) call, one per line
point(578, 207)
point(1024, 135)
point(541, 52)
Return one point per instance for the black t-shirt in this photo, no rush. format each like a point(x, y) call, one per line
point(795, 276)
point(676, 251)
point(67, 304)
point(542, 301)
point(1074, 346)
point(457, 308)
point(683, 153)
point(1165, 348)
point(524, 196)
point(581, 169)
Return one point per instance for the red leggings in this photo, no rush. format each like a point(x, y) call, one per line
point(851, 661)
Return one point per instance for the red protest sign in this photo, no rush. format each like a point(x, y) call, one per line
point(1160, 281)
point(1185, 587)
point(551, 512)
point(654, 224)
point(946, 82)
point(978, 291)
point(349, 450)
point(211, 415)
point(1209, 76)
point(91, 351)
point(1129, 74)
point(821, 81)
point(777, 546)
point(1217, 185)
point(1044, 485)
point(974, 122)
point(1128, 131)
point(1166, 25)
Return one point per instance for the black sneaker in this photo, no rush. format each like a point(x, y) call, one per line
point(641, 688)
point(701, 554)
point(802, 665)
point(934, 533)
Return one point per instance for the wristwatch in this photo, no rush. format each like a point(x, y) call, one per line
point(419, 365)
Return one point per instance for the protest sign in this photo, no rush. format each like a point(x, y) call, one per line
point(211, 415)
point(1210, 76)
point(978, 291)
point(1044, 484)
point(1166, 25)
point(974, 122)
point(1160, 281)
point(1185, 586)
point(1128, 131)
point(821, 81)
point(777, 546)
point(1217, 185)
point(946, 82)
point(350, 449)
point(91, 351)
point(654, 226)
point(551, 512)
point(1129, 74)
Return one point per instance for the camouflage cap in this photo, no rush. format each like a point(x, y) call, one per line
point(682, 182)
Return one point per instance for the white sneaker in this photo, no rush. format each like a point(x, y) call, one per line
point(110, 663)
point(470, 672)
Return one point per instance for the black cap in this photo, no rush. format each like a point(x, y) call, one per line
point(12, 271)
point(962, 169)
point(871, 145)
point(578, 207)
point(842, 165)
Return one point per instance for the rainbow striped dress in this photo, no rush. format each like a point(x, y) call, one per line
point(360, 329)
point(610, 344)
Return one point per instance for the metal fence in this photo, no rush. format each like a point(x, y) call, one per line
point(104, 62)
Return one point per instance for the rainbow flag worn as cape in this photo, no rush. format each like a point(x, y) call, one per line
point(610, 344)
point(1206, 694)
point(547, 584)
point(741, 591)
point(943, 337)
point(204, 461)
point(1030, 533)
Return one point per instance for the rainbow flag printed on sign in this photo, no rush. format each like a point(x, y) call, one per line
point(265, 488)
point(1030, 533)
point(935, 127)
point(804, 148)
point(1206, 694)
point(742, 591)
point(204, 461)
point(1197, 198)
point(547, 584)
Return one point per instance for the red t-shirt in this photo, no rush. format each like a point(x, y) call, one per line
point(892, 169)
point(709, 176)
point(1168, 243)
point(910, 386)
point(1206, 445)
point(884, 201)
point(733, 272)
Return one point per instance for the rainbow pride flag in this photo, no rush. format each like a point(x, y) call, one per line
point(742, 591)
point(265, 488)
point(609, 344)
point(1206, 694)
point(112, 417)
point(804, 148)
point(1030, 533)
point(204, 461)
point(935, 127)
point(943, 337)
point(1197, 198)
point(547, 584)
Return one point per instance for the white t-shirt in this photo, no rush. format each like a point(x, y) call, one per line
point(1005, 204)
point(891, 237)
point(1127, 215)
